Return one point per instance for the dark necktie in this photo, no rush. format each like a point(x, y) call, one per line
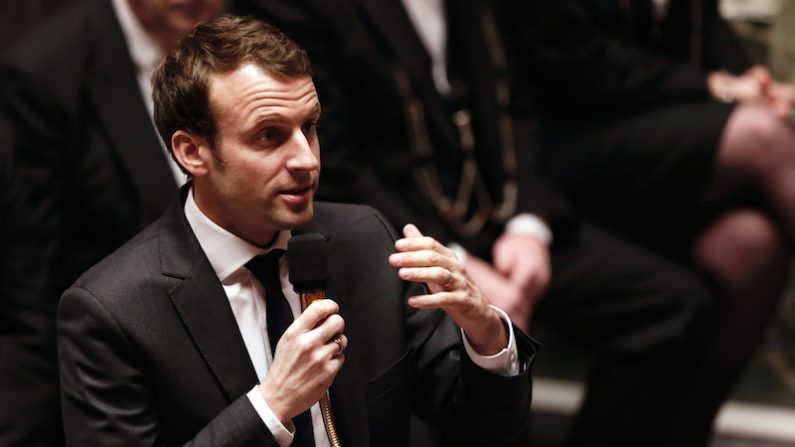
point(279, 316)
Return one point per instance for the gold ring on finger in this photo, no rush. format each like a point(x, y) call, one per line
point(338, 341)
point(449, 279)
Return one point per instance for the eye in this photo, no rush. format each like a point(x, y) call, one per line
point(269, 135)
point(309, 127)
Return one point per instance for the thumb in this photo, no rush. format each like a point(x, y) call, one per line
point(501, 262)
point(762, 76)
point(410, 230)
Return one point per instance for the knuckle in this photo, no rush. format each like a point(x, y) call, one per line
point(306, 340)
point(330, 306)
point(316, 357)
point(336, 321)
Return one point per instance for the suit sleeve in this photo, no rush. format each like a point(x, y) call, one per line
point(471, 405)
point(107, 397)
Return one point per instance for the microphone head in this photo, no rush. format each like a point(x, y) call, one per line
point(307, 262)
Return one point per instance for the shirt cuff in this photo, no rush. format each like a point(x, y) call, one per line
point(280, 433)
point(460, 252)
point(530, 225)
point(505, 362)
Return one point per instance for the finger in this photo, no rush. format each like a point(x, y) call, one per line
point(411, 230)
point(761, 74)
point(422, 258)
point(337, 344)
point(436, 300)
point(502, 262)
point(315, 313)
point(432, 275)
point(328, 329)
point(420, 243)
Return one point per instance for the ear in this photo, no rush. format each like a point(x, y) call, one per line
point(192, 152)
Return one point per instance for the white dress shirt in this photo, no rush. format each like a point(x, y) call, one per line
point(228, 255)
point(429, 21)
point(145, 54)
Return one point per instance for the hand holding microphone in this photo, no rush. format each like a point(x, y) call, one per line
point(298, 376)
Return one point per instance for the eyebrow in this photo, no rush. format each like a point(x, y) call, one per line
point(276, 117)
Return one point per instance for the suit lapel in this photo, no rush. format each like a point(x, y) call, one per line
point(203, 307)
point(205, 312)
point(113, 89)
point(391, 22)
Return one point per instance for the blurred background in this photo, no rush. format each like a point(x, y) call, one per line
point(762, 410)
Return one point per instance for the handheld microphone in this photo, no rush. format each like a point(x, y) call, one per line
point(307, 266)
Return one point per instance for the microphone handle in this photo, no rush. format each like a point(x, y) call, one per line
point(308, 298)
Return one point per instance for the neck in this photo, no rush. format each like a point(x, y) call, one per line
point(221, 217)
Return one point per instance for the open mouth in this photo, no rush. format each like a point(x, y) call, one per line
point(298, 194)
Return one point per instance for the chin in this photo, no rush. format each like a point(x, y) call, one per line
point(302, 217)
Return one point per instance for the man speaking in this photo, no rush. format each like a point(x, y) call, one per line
point(190, 333)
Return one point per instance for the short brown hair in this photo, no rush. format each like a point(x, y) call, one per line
point(180, 86)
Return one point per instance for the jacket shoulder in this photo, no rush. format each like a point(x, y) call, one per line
point(344, 217)
point(126, 266)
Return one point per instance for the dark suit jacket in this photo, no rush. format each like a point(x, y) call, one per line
point(27, 320)
point(96, 171)
point(151, 353)
point(358, 47)
point(84, 136)
point(606, 57)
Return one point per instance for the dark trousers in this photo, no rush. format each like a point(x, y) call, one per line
point(646, 320)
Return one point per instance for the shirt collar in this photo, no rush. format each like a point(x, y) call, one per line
point(144, 50)
point(225, 251)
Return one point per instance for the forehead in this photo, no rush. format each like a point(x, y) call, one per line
point(249, 89)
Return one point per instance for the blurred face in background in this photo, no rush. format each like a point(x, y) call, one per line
point(167, 21)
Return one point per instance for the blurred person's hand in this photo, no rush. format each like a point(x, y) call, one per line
point(501, 291)
point(756, 85)
point(524, 260)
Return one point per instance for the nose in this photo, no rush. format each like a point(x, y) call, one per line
point(305, 152)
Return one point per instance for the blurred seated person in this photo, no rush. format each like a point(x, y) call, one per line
point(657, 125)
point(423, 118)
point(76, 92)
point(27, 323)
